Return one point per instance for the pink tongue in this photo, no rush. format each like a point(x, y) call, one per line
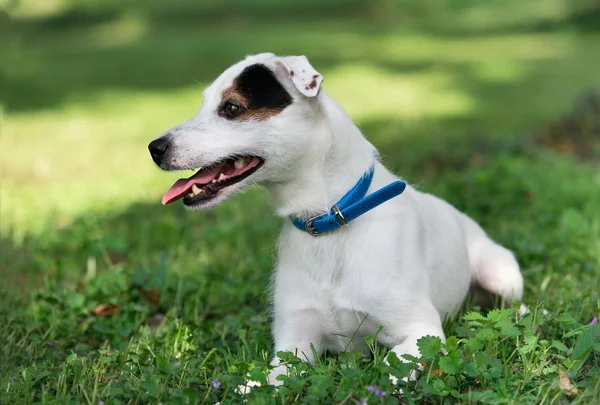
point(182, 186)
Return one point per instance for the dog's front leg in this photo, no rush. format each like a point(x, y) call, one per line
point(297, 331)
point(425, 324)
point(300, 332)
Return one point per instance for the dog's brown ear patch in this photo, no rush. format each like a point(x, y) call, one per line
point(312, 84)
point(258, 92)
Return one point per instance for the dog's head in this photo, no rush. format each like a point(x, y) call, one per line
point(255, 122)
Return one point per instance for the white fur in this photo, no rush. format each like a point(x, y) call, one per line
point(405, 265)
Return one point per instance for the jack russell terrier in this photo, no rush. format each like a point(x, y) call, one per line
point(360, 248)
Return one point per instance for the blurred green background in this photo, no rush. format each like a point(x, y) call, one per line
point(493, 105)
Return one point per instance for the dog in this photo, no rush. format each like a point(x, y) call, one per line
point(361, 249)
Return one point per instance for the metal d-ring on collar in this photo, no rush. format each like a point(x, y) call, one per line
point(338, 213)
point(351, 206)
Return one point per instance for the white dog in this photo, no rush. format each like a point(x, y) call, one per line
point(404, 259)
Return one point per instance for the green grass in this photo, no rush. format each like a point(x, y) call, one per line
point(458, 100)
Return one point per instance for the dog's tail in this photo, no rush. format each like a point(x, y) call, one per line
point(494, 268)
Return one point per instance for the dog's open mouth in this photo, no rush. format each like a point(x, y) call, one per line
point(208, 181)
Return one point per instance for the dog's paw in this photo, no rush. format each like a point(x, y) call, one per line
point(246, 388)
point(394, 380)
point(523, 310)
point(413, 376)
point(400, 391)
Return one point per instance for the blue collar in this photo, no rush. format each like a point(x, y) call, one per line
point(351, 206)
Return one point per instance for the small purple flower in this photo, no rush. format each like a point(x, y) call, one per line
point(215, 383)
point(376, 391)
point(363, 401)
point(100, 402)
point(594, 321)
point(13, 378)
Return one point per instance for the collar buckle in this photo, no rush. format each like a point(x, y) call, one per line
point(310, 229)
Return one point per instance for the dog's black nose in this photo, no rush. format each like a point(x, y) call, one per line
point(158, 148)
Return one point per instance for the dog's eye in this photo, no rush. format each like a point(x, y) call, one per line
point(231, 110)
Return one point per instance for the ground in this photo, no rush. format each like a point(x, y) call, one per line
point(109, 297)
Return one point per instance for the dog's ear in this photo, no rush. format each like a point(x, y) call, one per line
point(298, 69)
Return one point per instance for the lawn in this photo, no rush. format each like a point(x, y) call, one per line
point(107, 297)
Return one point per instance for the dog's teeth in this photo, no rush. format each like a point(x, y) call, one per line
point(238, 164)
point(222, 177)
point(195, 189)
point(214, 180)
